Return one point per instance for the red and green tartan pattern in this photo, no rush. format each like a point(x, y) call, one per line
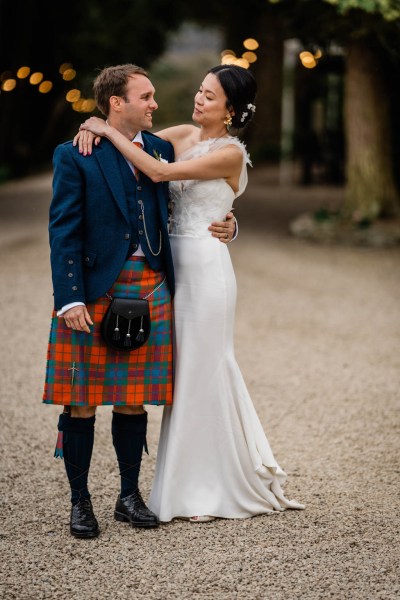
point(83, 371)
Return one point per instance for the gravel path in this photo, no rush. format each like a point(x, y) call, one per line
point(317, 338)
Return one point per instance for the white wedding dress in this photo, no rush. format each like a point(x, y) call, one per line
point(213, 456)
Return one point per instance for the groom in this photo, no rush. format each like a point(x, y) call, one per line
point(95, 227)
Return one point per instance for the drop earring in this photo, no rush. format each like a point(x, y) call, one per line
point(228, 120)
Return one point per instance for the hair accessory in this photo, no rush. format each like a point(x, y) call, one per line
point(245, 114)
point(228, 120)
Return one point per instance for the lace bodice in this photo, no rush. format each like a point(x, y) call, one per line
point(197, 203)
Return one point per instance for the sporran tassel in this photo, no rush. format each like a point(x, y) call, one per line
point(127, 341)
point(58, 452)
point(140, 335)
point(116, 335)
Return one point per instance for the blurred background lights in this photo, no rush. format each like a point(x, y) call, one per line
point(318, 54)
point(73, 96)
point(8, 85)
point(307, 60)
point(64, 67)
point(36, 78)
point(251, 57)
point(77, 106)
point(23, 72)
point(84, 105)
point(228, 59)
point(251, 44)
point(242, 62)
point(69, 74)
point(309, 64)
point(227, 52)
point(45, 87)
point(89, 105)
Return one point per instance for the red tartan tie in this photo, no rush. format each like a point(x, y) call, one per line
point(135, 169)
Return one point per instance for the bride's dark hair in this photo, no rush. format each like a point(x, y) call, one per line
point(240, 88)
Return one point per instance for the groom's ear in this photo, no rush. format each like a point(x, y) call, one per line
point(115, 103)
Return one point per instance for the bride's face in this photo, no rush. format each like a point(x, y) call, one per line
point(210, 102)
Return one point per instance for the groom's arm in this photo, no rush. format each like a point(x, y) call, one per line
point(226, 231)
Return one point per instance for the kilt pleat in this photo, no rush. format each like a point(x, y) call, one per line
point(82, 371)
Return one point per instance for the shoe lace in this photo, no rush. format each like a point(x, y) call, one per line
point(85, 507)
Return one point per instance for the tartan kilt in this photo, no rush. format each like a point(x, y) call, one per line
point(102, 376)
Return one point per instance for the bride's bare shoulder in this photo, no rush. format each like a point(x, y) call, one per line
point(177, 133)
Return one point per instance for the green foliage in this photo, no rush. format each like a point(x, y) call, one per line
point(389, 9)
point(323, 22)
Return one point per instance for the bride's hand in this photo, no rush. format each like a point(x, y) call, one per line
point(95, 125)
point(85, 140)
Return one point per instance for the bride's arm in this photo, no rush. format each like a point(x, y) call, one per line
point(221, 164)
point(176, 134)
point(85, 139)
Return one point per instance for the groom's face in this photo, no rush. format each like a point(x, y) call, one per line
point(138, 103)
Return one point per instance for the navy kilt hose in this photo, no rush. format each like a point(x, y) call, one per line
point(83, 371)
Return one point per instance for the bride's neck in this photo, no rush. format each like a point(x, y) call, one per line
point(213, 132)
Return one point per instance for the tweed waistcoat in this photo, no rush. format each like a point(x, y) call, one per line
point(142, 193)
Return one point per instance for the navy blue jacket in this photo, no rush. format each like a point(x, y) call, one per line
point(92, 226)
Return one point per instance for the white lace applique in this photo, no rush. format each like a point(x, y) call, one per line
point(197, 203)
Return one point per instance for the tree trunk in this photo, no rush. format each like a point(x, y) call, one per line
point(370, 190)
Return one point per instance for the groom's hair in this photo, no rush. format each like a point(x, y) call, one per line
point(112, 81)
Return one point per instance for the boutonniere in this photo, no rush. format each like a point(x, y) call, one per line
point(159, 157)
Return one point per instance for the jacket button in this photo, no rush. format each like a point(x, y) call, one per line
point(70, 274)
point(139, 188)
point(87, 259)
point(127, 236)
point(141, 217)
point(140, 232)
point(70, 262)
point(74, 287)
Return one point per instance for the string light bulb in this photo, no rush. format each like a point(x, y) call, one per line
point(8, 85)
point(36, 78)
point(69, 74)
point(23, 72)
point(251, 57)
point(251, 44)
point(45, 87)
point(242, 62)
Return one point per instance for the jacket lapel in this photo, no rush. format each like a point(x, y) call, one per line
point(148, 145)
point(107, 158)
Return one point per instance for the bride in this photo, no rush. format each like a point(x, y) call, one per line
point(213, 459)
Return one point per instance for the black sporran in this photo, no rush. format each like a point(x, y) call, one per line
point(126, 324)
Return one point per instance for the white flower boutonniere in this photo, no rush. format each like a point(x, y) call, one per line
point(159, 157)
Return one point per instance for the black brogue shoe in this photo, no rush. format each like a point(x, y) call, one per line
point(83, 523)
point(132, 509)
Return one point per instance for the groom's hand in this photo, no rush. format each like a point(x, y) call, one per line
point(78, 318)
point(224, 230)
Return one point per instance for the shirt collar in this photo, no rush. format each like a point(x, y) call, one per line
point(138, 138)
